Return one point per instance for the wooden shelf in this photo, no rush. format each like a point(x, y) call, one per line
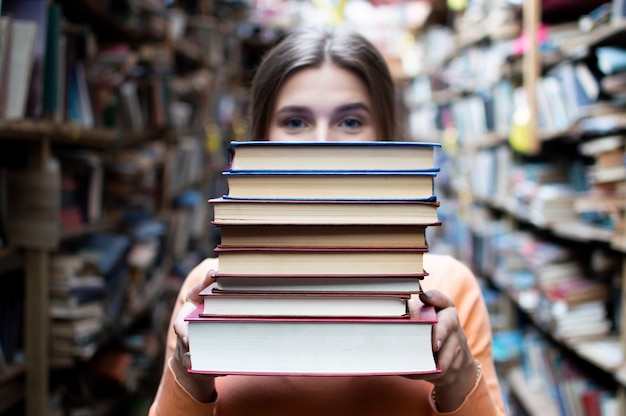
point(575, 231)
point(602, 35)
point(589, 351)
point(71, 134)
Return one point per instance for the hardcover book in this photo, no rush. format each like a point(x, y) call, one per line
point(388, 284)
point(331, 185)
point(315, 261)
point(347, 236)
point(303, 304)
point(313, 346)
point(267, 211)
point(336, 156)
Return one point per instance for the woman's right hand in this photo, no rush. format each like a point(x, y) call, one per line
point(200, 386)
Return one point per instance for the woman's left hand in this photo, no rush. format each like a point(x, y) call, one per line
point(459, 368)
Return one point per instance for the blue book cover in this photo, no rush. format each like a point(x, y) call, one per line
point(269, 172)
point(333, 144)
point(108, 250)
point(332, 185)
point(332, 156)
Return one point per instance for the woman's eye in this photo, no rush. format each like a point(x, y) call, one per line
point(351, 123)
point(294, 123)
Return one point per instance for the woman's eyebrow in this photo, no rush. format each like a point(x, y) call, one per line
point(305, 110)
point(353, 107)
point(294, 109)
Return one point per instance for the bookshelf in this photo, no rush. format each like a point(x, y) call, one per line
point(145, 121)
point(518, 176)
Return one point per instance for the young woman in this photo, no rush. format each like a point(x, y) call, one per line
point(323, 84)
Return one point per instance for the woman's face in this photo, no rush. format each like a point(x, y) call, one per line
point(323, 104)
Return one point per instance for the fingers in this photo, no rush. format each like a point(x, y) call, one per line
point(447, 318)
point(180, 325)
point(183, 356)
point(194, 294)
point(449, 342)
point(437, 299)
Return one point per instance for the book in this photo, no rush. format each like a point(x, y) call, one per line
point(34, 12)
point(20, 66)
point(618, 11)
point(265, 211)
point(337, 156)
point(316, 261)
point(331, 185)
point(107, 251)
point(77, 328)
point(598, 174)
point(51, 87)
point(5, 42)
point(320, 284)
point(597, 146)
point(86, 170)
point(70, 309)
point(303, 304)
point(79, 101)
point(313, 346)
point(82, 349)
point(131, 108)
point(337, 236)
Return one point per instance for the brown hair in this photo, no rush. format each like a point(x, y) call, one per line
point(307, 48)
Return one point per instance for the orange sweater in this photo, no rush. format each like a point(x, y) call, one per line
point(346, 396)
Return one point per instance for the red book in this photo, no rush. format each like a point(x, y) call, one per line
point(388, 284)
point(590, 401)
point(314, 346)
point(303, 304)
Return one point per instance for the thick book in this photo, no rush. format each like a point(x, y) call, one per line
point(274, 211)
point(350, 236)
point(314, 261)
point(20, 67)
point(313, 346)
point(331, 185)
point(303, 304)
point(316, 156)
point(388, 284)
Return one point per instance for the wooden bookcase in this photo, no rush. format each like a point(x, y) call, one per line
point(194, 78)
point(483, 209)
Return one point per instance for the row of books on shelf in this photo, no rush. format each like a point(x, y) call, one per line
point(91, 283)
point(305, 262)
point(546, 381)
point(581, 95)
point(57, 69)
point(570, 291)
point(581, 195)
point(86, 188)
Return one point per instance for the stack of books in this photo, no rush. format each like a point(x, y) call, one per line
point(320, 261)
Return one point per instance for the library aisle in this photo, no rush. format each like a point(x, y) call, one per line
point(115, 122)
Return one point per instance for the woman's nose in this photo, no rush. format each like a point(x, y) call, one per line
point(322, 133)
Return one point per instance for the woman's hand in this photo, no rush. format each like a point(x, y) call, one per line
point(200, 386)
point(459, 368)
